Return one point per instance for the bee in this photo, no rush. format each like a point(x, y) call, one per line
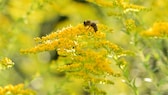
point(90, 24)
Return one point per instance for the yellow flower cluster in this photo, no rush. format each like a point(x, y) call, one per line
point(61, 40)
point(68, 39)
point(6, 63)
point(102, 3)
point(126, 7)
point(86, 54)
point(130, 25)
point(15, 90)
point(131, 7)
point(159, 29)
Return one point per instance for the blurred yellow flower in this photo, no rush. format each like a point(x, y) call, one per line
point(130, 25)
point(6, 63)
point(159, 29)
point(15, 90)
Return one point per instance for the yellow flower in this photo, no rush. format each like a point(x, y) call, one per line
point(15, 90)
point(159, 29)
point(6, 63)
point(130, 25)
point(83, 52)
point(121, 4)
point(131, 7)
point(102, 3)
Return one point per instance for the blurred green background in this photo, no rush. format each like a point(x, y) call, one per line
point(23, 20)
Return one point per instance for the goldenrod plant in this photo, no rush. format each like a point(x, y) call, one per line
point(86, 54)
point(83, 47)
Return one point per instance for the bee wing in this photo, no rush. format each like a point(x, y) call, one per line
point(95, 21)
point(92, 21)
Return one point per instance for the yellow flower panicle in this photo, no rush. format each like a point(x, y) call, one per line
point(159, 29)
point(130, 25)
point(102, 3)
point(86, 52)
point(54, 40)
point(6, 63)
point(66, 39)
point(15, 90)
point(90, 78)
point(124, 6)
point(131, 7)
point(69, 67)
point(53, 35)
